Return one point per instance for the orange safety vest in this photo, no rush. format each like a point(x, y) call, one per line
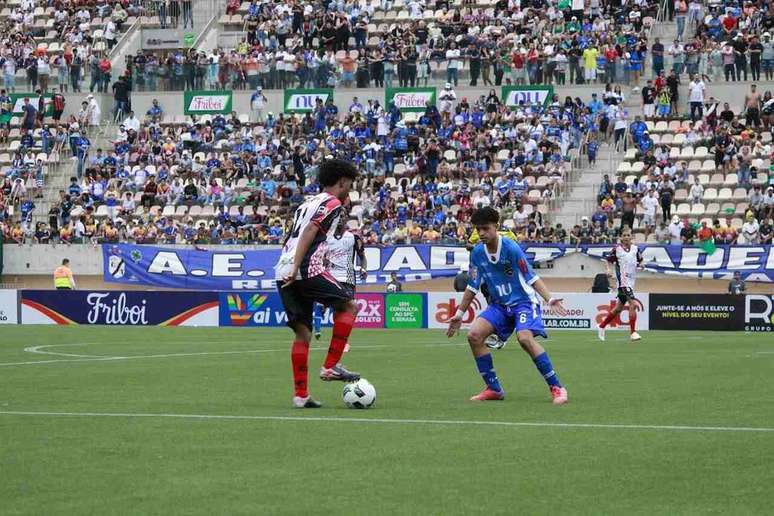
point(63, 277)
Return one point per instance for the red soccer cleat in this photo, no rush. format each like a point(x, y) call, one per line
point(559, 394)
point(489, 395)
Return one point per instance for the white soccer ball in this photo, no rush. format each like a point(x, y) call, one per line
point(359, 395)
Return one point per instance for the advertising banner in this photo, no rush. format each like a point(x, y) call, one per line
point(17, 100)
point(207, 102)
point(113, 308)
point(759, 312)
point(410, 99)
point(253, 269)
point(514, 95)
point(405, 310)
point(371, 310)
point(304, 101)
point(441, 307)
point(584, 311)
point(264, 309)
point(716, 312)
point(166, 39)
point(9, 307)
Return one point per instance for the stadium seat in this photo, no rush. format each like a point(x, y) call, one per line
point(739, 194)
point(697, 209)
point(710, 194)
point(717, 179)
point(725, 194)
point(731, 179)
point(712, 209)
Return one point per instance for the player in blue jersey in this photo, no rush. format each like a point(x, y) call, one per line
point(502, 266)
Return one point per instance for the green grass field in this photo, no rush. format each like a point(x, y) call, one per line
point(197, 421)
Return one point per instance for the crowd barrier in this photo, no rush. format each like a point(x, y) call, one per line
point(718, 312)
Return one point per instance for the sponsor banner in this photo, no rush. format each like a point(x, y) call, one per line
point(405, 310)
point(716, 312)
point(207, 102)
point(304, 101)
point(441, 307)
point(759, 312)
point(584, 311)
point(265, 309)
point(9, 307)
point(410, 99)
point(113, 308)
point(513, 96)
point(163, 38)
point(371, 310)
point(17, 99)
point(253, 269)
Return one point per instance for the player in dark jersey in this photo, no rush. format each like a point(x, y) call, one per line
point(303, 279)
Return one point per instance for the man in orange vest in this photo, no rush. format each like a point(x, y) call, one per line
point(63, 276)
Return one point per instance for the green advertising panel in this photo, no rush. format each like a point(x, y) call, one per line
point(303, 101)
point(530, 95)
point(17, 101)
point(207, 102)
point(410, 99)
point(404, 311)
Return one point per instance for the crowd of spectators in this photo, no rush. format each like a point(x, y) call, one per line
point(61, 43)
point(718, 40)
point(733, 140)
point(241, 178)
point(303, 44)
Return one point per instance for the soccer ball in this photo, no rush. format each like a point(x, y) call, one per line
point(359, 395)
point(494, 342)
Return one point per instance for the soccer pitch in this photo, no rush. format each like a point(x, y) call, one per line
point(97, 420)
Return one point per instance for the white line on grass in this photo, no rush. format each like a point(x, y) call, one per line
point(40, 350)
point(397, 421)
point(90, 358)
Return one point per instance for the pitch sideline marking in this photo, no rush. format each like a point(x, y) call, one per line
point(440, 422)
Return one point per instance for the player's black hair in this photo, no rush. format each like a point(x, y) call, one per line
point(333, 170)
point(487, 215)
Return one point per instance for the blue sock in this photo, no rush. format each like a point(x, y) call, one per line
point(486, 368)
point(543, 364)
point(317, 318)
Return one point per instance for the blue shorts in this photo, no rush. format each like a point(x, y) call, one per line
point(506, 319)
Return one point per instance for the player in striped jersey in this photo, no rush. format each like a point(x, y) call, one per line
point(303, 279)
point(627, 259)
point(343, 247)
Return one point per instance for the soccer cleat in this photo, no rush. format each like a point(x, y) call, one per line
point(601, 333)
point(635, 336)
point(559, 394)
point(489, 395)
point(317, 335)
point(338, 373)
point(308, 402)
point(494, 342)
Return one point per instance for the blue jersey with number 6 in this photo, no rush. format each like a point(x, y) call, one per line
point(513, 303)
point(507, 273)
